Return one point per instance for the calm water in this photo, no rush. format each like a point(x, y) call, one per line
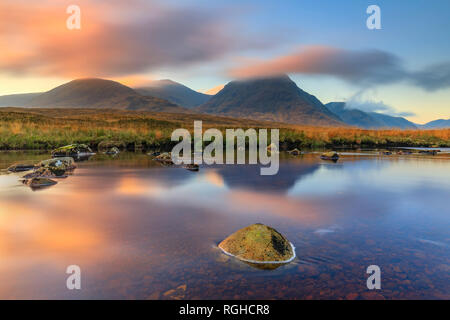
point(142, 231)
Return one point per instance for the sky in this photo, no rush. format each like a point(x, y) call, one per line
point(325, 47)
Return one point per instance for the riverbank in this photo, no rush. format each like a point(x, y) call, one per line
point(46, 129)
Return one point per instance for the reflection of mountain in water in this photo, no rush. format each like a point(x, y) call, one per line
point(248, 176)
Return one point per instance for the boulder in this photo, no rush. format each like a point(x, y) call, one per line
point(64, 163)
point(106, 145)
point(21, 167)
point(164, 158)
point(39, 182)
point(43, 172)
point(295, 152)
point(259, 244)
point(273, 148)
point(72, 150)
point(331, 155)
point(154, 154)
point(112, 151)
point(191, 167)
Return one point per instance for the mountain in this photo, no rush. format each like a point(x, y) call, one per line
point(437, 124)
point(368, 120)
point(175, 93)
point(272, 99)
point(100, 93)
point(17, 100)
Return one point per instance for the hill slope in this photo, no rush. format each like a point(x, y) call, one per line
point(175, 93)
point(368, 120)
point(99, 93)
point(437, 124)
point(272, 99)
point(17, 100)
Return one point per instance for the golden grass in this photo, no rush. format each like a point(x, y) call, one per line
point(22, 128)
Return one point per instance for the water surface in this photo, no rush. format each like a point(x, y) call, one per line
point(142, 231)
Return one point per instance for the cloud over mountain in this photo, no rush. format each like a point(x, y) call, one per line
point(360, 67)
point(116, 37)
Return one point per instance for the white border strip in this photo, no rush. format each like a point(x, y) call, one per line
point(263, 262)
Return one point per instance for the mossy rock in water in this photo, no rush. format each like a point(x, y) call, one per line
point(105, 146)
point(259, 243)
point(164, 158)
point(273, 148)
point(295, 152)
point(112, 151)
point(331, 155)
point(71, 150)
point(43, 172)
point(64, 163)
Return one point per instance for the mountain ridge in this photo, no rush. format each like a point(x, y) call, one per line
point(368, 120)
point(271, 99)
point(99, 93)
point(174, 92)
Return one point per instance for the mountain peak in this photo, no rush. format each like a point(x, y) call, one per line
point(174, 92)
point(274, 98)
point(99, 93)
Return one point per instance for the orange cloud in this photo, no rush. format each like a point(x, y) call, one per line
point(367, 66)
point(117, 38)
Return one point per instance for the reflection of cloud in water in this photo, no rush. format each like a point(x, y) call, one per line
point(367, 175)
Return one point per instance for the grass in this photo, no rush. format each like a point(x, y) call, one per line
point(46, 129)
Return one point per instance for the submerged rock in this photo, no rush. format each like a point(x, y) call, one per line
point(112, 151)
point(72, 150)
point(39, 182)
point(164, 158)
point(154, 154)
point(44, 172)
point(332, 155)
point(191, 167)
point(273, 148)
point(259, 244)
point(64, 163)
point(21, 167)
point(107, 145)
point(295, 152)
point(431, 152)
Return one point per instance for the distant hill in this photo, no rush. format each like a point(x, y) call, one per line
point(175, 93)
point(368, 120)
point(437, 124)
point(17, 100)
point(100, 93)
point(272, 99)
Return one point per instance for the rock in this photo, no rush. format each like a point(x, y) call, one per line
point(386, 153)
point(64, 163)
point(35, 183)
point(273, 148)
point(332, 155)
point(191, 167)
point(430, 152)
point(72, 150)
point(154, 154)
point(258, 243)
point(164, 158)
point(295, 152)
point(106, 145)
point(21, 167)
point(112, 151)
point(43, 172)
